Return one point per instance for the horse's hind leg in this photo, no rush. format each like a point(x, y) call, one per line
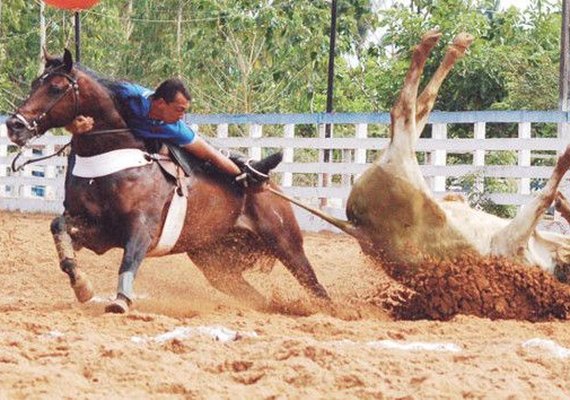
point(275, 223)
point(64, 246)
point(221, 269)
point(512, 239)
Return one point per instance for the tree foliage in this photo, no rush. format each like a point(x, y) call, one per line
point(260, 56)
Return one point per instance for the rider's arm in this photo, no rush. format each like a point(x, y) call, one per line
point(201, 149)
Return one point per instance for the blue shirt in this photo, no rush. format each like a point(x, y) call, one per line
point(136, 101)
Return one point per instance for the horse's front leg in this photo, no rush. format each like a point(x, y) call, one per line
point(67, 262)
point(135, 251)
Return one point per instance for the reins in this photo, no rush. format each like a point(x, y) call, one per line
point(34, 160)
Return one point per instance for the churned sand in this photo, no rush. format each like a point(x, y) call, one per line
point(186, 340)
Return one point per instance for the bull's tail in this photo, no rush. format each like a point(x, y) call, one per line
point(345, 226)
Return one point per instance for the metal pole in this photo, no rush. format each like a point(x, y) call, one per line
point(564, 78)
point(42, 36)
point(330, 86)
point(330, 91)
point(77, 37)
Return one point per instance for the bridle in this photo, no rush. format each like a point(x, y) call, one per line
point(33, 125)
point(73, 86)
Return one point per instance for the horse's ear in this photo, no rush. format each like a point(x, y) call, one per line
point(46, 56)
point(67, 60)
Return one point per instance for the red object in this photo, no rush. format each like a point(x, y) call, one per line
point(72, 4)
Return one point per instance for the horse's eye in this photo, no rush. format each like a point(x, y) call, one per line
point(54, 90)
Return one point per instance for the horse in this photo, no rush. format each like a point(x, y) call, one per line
point(225, 229)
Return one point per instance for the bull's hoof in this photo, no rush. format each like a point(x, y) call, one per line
point(430, 38)
point(83, 289)
point(119, 306)
point(461, 43)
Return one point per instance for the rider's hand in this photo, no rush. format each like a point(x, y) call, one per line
point(250, 177)
point(80, 124)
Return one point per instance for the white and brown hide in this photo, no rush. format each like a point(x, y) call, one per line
point(392, 205)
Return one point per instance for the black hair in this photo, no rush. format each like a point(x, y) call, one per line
point(167, 90)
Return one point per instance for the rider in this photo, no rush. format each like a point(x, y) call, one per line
point(158, 115)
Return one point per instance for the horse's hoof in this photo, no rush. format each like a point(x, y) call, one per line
point(118, 306)
point(83, 289)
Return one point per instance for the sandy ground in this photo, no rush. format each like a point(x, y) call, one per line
point(186, 340)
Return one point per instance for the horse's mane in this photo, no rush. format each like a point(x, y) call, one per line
point(111, 85)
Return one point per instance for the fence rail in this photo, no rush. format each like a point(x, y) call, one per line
point(357, 139)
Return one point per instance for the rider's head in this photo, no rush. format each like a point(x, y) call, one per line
point(170, 100)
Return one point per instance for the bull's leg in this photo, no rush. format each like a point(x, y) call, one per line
point(399, 158)
point(135, 251)
point(402, 115)
point(67, 262)
point(427, 98)
point(512, 239)
point(562, 267)
point(562, 206)
point(220, 268)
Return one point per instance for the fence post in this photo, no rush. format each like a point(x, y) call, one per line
point(324, 179)
point(288, 155)
point(3, 153)
point(359, 153)
point(361, 133)
point(222, 131)
point(439, 131)
point(25, 189)
point(479, 156)
point(49, 171)
point(524, 157)
point(255, 131)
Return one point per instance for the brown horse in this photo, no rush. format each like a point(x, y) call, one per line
point(226, 229)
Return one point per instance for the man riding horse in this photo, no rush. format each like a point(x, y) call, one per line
point(121, 194)
point(159, 116)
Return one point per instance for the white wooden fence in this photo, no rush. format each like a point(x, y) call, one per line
point(304, 174)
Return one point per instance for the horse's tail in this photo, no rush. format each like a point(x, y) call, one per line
point(268, 163)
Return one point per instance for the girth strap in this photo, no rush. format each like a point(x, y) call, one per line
point(172, 225)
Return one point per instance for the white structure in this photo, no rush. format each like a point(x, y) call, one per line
point(303, 174)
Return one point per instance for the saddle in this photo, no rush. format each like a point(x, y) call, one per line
point(180, 165)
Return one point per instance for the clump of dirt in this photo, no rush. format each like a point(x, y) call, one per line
point(494, 288)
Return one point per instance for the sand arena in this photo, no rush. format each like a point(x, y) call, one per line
point(53, 347)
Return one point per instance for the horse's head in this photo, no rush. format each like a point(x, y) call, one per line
point(53, 101)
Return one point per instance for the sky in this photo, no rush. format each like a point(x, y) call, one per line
point(522, 4)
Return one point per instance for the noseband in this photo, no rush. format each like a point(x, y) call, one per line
point(32, 125)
